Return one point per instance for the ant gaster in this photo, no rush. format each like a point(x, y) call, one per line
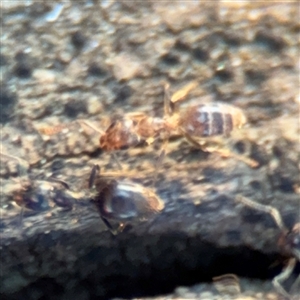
point(122, 201)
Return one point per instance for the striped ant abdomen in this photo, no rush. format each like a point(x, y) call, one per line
point(211, 120)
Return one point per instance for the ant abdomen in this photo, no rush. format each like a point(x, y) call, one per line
point(122, 200)
point(211, 120)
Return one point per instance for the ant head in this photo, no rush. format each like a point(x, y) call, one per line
point(119, 135)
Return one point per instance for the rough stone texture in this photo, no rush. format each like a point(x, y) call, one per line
point(94, 59)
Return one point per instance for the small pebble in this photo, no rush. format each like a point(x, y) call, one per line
point(126, 67)
point(44, 76)
point(94, 106)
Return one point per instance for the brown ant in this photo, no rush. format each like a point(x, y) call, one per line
point(289, 242)
point(199, 124)
point(122, 200)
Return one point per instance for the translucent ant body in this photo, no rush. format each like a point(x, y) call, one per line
point(196, 122)
point(199, 124)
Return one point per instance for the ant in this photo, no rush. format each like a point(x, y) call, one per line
point(199, 124)
point(289, 242)
point(122, 200)
point(33, 194)
point(119, 200)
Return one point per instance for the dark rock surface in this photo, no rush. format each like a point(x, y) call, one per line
point(90, 60)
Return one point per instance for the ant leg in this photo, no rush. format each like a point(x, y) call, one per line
point(109, 226)
point(264, 208)
point(21, 217)
point(117, 161)
point(223, 152)
point(160, 159)
point(286, 272)
point(228, 153)
point(95, 171)
point(295, 286)
point(168, 104)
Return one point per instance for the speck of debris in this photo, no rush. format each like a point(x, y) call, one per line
point(56, 165)
point(240, 147)
point(95, 70)
point(78, 39)
point(170, 59)
point(3, 60)
point(223, 75)
point(23, 67)
point(74, 108)
point(200, 54)
point(122, 92)
point(269, 41)
point(7, 103)
point(255, 77)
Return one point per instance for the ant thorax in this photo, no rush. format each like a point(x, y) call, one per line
point(150, 127)
point(121, 134)
point(129, 131)
point(171, 123)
